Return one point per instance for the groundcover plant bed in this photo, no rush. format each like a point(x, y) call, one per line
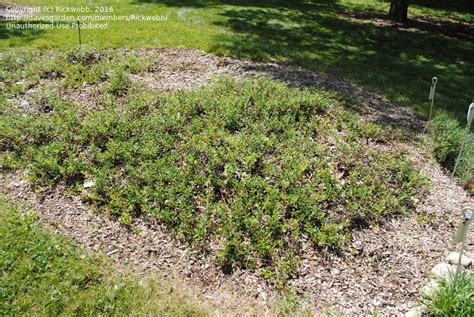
point(244, 170)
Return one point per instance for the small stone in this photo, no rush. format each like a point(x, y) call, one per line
point(261, 292)
point(469, 255)
point(453, 258)
point(112, 252)
point(415, 200)
point(24, 104)
point(429, 288)
point(444, 270)
point(376, 302)
point(415, 312)
point(357, 245)
point(89, 184)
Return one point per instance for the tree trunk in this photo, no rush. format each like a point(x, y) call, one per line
point(398, 10)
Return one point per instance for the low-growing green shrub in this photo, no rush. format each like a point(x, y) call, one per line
point(71, 68)
point(244, 169)
point(446, 138)
point(453, 298)
point(118, 82)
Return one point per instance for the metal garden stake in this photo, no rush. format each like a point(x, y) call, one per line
point(79, 31)
point(470, 119)
point(461, 234)
point(434, 81)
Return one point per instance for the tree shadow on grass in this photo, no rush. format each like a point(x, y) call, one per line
point(9, 28)
point(437, 26)
point(396, 63)
point(20, 35)
point(179, 3)
point(373, 107)
point(275, 4)
point(461, 6)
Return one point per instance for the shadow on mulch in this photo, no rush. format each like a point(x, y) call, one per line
point(376, 108)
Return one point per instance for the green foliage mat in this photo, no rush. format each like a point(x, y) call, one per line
point(249, 167)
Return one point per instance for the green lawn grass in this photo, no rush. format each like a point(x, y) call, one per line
point(191, 27)
point(461, 10)
point(44, 274)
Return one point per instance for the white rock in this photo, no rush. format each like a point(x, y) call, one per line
point(261, 292)
point(357, 245)
point(335, 271)
point(469, 255)
point(24, 104)
point(89, 184)
point(444, 270)
point(430, 288)
point(453, 258)
point(415, 312)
